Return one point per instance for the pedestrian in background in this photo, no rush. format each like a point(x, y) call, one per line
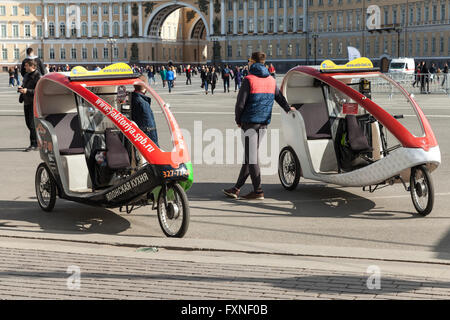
point(151, 75)
point(11, 77)
point(417, 75)
point(445, 73)
point(272, 70)
point(253, 112)
point(163, 74)
point(30, 80)
point(39, 64)
point(170, 77)
point(188, 75)
point(213, 78)
point(425, 79)
point(237, 79)
point(16, 75)
point(226, 75)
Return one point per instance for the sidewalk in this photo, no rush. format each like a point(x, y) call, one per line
point(39, 269)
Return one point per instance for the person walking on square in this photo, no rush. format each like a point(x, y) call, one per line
point(170, 77)
point(16, 75)
point(11, 77)
point(253, 112)
point(188, 75)
point(163, 74)
point(213, 79)
point(445, 73)
point(226, 75)
point(237, 79)
point(30, 80)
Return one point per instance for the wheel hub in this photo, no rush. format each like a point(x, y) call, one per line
point(420, 189)
point(172, 211)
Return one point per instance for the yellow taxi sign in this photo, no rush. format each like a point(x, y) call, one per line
point(114, 69)
point(359, 63)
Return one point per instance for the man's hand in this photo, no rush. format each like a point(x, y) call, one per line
point(292, 109)
point(22, 90)
point(238, 125)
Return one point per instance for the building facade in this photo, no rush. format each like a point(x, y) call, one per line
point(290, 31)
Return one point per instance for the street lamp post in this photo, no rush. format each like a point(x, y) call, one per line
point(112, 43)
point(315, 36)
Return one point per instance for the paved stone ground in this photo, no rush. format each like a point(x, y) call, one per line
point(38, 274)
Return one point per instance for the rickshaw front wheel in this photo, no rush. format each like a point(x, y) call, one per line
point(289, 168)
point(45, 188)
point(173, 212)
point(422, 190)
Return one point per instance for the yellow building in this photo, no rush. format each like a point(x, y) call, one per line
point(192, 32)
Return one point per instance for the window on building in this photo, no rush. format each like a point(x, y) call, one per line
point(39, 11)
point(229, 51)
point(83, 10)
point(51, 10)
point(270, 24)
point(270, 50)
point(291, 24)
point(15, 11)
point(105, 29)
point(239, 50)
point(27, 29)
point(280, 23)
point(51, 29)
point(73, 29)
point(394, 16)
point(116, 30)
point(230, 26)
point(84, 29)
point(425, 46)
point(251, 25)
point(297, 49)
point(2, 11)
point(442, 11)
point(5, 54)
point(249, 50)
point(116, 9)
point(62, 29)
point(418, 47)
point(279, 50)
point(62, 54)
point(39, 32)
point(125, 27)
point(426, 14)
point(94, 10)
point(441, 45)
point(289, 50)
point(84, 54)
point(94, 53)
point(330, 47)
point(51, 54)
point(241, 25)
point(26, 10)
point(271, 4)
point(62, 10)
point(16, 54)
point(105, 53)
point(125, 9)
point(15, 29)
point(230, 5)
point(3, 31)
point(433, 46)
point(116, 53)
point(105, 9)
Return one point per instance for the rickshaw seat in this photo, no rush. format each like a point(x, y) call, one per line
point(356, 137)
point(68, 132)
point(116, 155)
point(317, 120)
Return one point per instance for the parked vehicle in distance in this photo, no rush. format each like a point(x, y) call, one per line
point(402, 65)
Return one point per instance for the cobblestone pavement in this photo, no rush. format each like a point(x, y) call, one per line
point(37, 274)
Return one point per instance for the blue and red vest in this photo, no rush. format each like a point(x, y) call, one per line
point(258, 108)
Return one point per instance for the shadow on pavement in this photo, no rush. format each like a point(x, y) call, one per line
point(66, 216)
point(308, 200)
point(12, 149)
point(443, 247)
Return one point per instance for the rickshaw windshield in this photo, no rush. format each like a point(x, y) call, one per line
point(148, 113)
point(390, 96)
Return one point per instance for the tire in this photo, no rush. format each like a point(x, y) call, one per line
point(289, 170)
point(422, 190)
point(174, 224)
point(45, 188)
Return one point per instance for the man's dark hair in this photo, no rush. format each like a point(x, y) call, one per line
point(29, 51)
point(31, 62)
point(259, 57)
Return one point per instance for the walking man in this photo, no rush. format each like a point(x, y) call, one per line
point(253, 113)
point(39, 65)
point(445, 71)
point(30, 80)
point(226, 75)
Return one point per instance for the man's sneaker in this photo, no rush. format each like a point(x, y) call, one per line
point(254, 196)
point(232, 193)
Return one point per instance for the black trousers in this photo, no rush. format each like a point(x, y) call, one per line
point(29, 121)
point(226, 84)
point(252, 134)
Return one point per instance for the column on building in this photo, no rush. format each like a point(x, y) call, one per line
point(305, 15)
point(235, 17)
point(120, 19)
point(68, 23)
point(295, 4)
point(211, 17)
point(265, 16)
point(222, 21)
point(255, 16)
point(129, 20)
point(246, 16)
point(100, 24)
point(89, 9)
point(110, 19)
point(275, 16)
point(140, 20)
point(78, 13)
point(45, 21)
point(285, 16)
point(56, 21)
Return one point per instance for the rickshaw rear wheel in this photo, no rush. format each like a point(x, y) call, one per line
point(422, 190)
point(173, 218)
point(289, 168)
point(45, 188)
